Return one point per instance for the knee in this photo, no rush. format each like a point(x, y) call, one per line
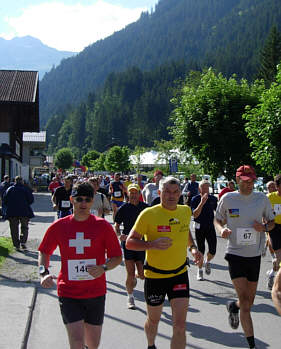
point(245, 304)
point(179, 327)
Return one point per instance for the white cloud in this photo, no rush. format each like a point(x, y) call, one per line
point(71, 27)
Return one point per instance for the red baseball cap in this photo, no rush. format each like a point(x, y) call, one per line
point(246, 172)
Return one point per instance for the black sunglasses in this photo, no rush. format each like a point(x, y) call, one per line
point(79, 199)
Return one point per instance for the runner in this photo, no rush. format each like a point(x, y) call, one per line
point(203, 207)
point(101, 205)
point(230, 187)
point(165, 228)
point(61, 198)
point(127, 214)
point(150, 191)
point(275, 233)
point(84, 241)
point(191, 188)
point(243, 212)
point(117, 191)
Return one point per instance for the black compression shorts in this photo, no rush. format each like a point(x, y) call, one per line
point(244, 267)
point(91, 310)
point(208, 234)
point(275, 237)
point(155, 290)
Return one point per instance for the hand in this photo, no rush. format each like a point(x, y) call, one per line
point(48, 281)
point(197, 255)
point(123, 237)
point(55, 207)
point(204, 198)
point(225, 232)
point(258, 226)
point(162, 243)
point(95, 270)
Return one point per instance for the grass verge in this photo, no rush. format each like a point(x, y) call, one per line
point(6, 247)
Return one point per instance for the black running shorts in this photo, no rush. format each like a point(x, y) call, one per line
point(275, 237)
point(244, 267)
point(133, 255)
point(155, 290)
point(91, 310)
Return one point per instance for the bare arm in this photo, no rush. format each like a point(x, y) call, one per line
point(221, 229)
point(54, 201)
point(134, 242)
point(198, 210)
point(47, 281)
point(122, 237)
point(264, 227)
point(197, 255)
point(276, 292)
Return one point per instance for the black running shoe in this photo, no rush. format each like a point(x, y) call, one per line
point(233, 317)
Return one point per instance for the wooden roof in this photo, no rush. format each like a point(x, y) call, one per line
point(18, 86)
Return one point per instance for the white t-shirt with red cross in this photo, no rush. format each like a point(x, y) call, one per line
point(81, 244)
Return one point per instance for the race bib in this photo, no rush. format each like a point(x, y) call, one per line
point(197, 225)
point(77, 269)
point(65, 204)
point(277, 209)
point(117, 194)
point(246, 236)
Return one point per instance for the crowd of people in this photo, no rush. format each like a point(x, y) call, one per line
point(151, 222)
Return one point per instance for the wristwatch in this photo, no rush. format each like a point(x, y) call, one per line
point(105, 268)
point(43, 271)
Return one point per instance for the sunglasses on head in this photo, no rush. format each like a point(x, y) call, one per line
point(80, 199)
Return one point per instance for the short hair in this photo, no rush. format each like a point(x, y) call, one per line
point(18, 179)
point(277, 179)
point(6, 177)
point(93, 179)
point(204, 181)
point(83, 189)
point(68, 178)
point(169, 180)
point(269, 183)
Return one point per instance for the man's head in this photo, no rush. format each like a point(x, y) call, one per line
point(68, 180)
point(193, 177)
point(82, 199)
point(170, 192)
point(94, 181)
point(6, 178)
point(245, 178)
point(271, 186)
point(231, 185)
point(158, 175)
point(18, 180)
point(117, 176)
point(134, 193)
point(204, 187)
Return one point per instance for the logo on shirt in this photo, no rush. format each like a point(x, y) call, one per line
point(174, 221)
point(233, 212)
point(164, 228)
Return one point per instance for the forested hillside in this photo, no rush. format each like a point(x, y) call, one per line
point(132, 109)
point(225, 34)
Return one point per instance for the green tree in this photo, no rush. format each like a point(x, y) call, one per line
point(264, 128)
point(117, 159)
point(270, 56)
point(89, 157)
point(98, 164)
point(208, 122)
point(64, 158)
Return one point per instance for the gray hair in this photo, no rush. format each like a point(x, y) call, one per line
point(168, 180)
point(204, 181)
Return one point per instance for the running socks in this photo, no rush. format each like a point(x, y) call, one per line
point(251, 342)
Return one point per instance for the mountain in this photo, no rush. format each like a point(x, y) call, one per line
point(225, 34)
point(28, 53)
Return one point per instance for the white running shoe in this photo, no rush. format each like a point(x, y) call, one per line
point(200, 275)
point(131, 303)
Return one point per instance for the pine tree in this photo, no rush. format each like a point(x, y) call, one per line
point(270, 56)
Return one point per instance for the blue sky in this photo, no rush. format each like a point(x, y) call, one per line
point(68, 25)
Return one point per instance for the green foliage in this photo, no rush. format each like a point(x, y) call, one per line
point(270, 56)
point(6, 247)
point(117, 159)
point(64, 158)
point(88, 158)
point(264, 128)
point(136, 154)
point(208, 122)
point(98, 164)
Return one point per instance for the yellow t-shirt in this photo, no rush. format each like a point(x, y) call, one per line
point(155, 222)
point(275, 201)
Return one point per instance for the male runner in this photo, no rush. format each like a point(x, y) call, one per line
point(243, 212)
point(165, 228)
point(203, 207)
point(150, 190)
point(117, 191)
point(128, 214)
point(61, 198)
point(84, 241)
point(275, 233)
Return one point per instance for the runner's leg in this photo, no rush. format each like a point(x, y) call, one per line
point(92, 335)
point(179, 311)
point(75, 331)
point(152, 321)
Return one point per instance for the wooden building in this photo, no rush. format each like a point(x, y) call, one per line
point(19, 112)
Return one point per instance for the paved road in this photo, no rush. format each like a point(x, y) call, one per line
point(207, 325)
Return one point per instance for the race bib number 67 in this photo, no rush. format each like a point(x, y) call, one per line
point(246, 236)
point(77, 269)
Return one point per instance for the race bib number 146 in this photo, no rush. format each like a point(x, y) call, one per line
point(77, 269)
